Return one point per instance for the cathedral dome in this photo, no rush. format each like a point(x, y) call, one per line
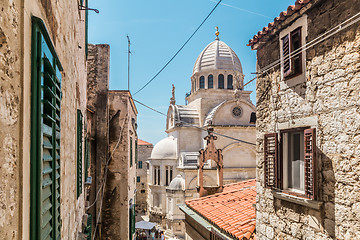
point(165, 149)
point(178, 183)
point(217, 55)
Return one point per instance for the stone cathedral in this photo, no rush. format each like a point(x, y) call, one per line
point(217, 101)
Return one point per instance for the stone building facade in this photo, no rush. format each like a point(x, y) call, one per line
point(308, 122)
point(113, 143)
point(142, 188)
point(42, 43)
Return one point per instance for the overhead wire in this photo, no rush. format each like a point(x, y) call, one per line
point(308, 45)
point(194, 126)
point(348, 22)
point(313, 42)
point(178, 50)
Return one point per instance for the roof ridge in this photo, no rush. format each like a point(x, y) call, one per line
point(299, 4)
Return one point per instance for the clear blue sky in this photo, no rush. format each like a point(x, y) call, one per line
point(157, 29)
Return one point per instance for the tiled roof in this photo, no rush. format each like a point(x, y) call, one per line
point(142, 142)
point(282, 17)
point(232, 210)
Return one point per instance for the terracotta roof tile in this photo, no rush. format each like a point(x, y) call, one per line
point(142, 142)
point(232, 210)
point(282, 16)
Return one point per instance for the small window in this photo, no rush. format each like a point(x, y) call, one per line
point(156, 175)
point(142, 191)
point(229, 82)
point(136, 151)
point(140, 164)
point(202, 82)
point(131, 152)
point(293, 161)
point(138, 179)
point(291, 52)
point(221, 81)
point(253, 117)
point(169, 174)
point(210, 81)
point(237, 111)
point(294, 169)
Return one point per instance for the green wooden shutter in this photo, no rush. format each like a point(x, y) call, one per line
point(88, 228)
point(136, 152)
point(45, 136)
point(79, 152)
point(87, 162)
point(131, 153)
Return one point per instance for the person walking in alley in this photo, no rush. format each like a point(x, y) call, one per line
point(162, 236)
point(153, 234)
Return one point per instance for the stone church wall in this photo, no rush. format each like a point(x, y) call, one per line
point(66, 27)
point(328, 98)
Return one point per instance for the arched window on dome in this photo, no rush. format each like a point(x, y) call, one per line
point(229, 82)
point(210, 81)
point(202, 82)
point(221, 81)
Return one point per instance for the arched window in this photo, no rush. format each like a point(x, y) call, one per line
point(210, 81)
point(202, 82)
point(229, 82)
point(221, 81)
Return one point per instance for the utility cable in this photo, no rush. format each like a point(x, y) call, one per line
point(352, 20)
point(178, 50)
point(194, 126)
point(315, 41)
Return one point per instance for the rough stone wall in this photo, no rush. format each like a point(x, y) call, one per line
point(66, 27)
point(330, 97)
point(144, 152)
point(10, 120)
point(120, 184)
point(98, 64)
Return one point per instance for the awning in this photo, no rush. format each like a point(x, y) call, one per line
point(145, 225)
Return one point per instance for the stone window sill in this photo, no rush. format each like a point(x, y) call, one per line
point(298, 200)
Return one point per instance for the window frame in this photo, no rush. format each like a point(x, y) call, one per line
point(131, 152)
point(291, 72)
point(230, 78)
point(284, 135)
point(210, 80)
point(276, 155)
point(301, 25)
point(222, 79)
point(202, 82)
point(43, 53)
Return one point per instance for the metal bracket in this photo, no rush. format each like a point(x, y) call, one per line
point(86, 8)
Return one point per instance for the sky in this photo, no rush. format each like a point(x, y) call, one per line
point(157, 29)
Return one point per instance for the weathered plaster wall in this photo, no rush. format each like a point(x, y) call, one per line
point(121, 177)
point(328, 99)
point(98, 67)
point(144, 152)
